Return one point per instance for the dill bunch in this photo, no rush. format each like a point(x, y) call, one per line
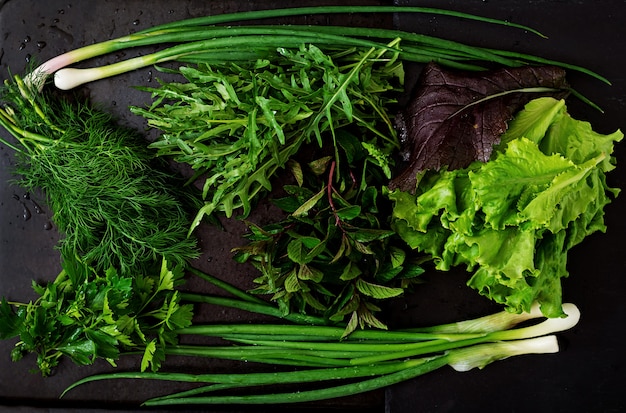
point(113, 203)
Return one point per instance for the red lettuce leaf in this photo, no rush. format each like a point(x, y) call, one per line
point(447, 125)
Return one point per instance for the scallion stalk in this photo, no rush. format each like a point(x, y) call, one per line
point(373, 377)
point(461, 360)
point(196, 32)
point(176, 31)
point(303, 11)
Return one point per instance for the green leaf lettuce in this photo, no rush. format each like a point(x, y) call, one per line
point(512, 220)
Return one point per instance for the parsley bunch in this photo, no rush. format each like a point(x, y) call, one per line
point(84, 315)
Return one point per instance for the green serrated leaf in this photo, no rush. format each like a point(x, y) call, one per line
point(352, 303)
point(11, 324)
point(313, 302)
point(362, 248)
point(397, 256)
point(296, 251)
point(319, 166)
point(353, 323)
point(366, 235)
point(288, 204)
point(81, 351)
point(296, 170)
point(309, 204)
point(387, 273)
point(412, 271)
point(377, 291)
point(308, 273)
point(350, 272)
point(348, 213)
point(148, 355)
point(166, 278)
point(105, 344)
point(380, 158)
point(366, 317)
point(181, 317)
point(292, 284)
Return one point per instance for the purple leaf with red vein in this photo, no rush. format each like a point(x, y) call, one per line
point(455, 118)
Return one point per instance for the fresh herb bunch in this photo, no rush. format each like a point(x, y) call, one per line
point(334, 254)
point(84, 315)
point(113, 203)
point(237, 124)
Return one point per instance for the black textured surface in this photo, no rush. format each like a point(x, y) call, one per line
point(586, 376)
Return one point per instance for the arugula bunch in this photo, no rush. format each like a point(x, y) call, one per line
point(236, 124)
point(513, 219)
point(85, 315)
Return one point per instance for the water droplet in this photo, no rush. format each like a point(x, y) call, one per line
point(27, 39)
point(41, 44)
point(28, 56)
point(47, 226)
point(26, 195)
point(16, 197)
point(36, 207)
point(61, 11)
point(55, 21)
point(22, 46)
point(26, 215)
point(209, 259)
point(135, 22)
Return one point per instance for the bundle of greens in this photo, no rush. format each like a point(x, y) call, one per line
point(249, 100)
point(237, 124)
point(513, 219)
point(334, 254)
point(85, 315)
point(365, 361)
point(113, 203)
point(203, 41)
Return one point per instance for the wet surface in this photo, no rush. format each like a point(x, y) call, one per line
point(587, 375)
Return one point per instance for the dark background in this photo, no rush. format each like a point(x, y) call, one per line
point(587, 375)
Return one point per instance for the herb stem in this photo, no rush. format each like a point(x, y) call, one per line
point(229, 288)
point(254, 307)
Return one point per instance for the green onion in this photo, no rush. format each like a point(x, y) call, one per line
point(369, 359)
point(300, 11)
point(200, 35)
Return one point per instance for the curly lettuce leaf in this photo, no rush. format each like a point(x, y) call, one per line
point(512, 220)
